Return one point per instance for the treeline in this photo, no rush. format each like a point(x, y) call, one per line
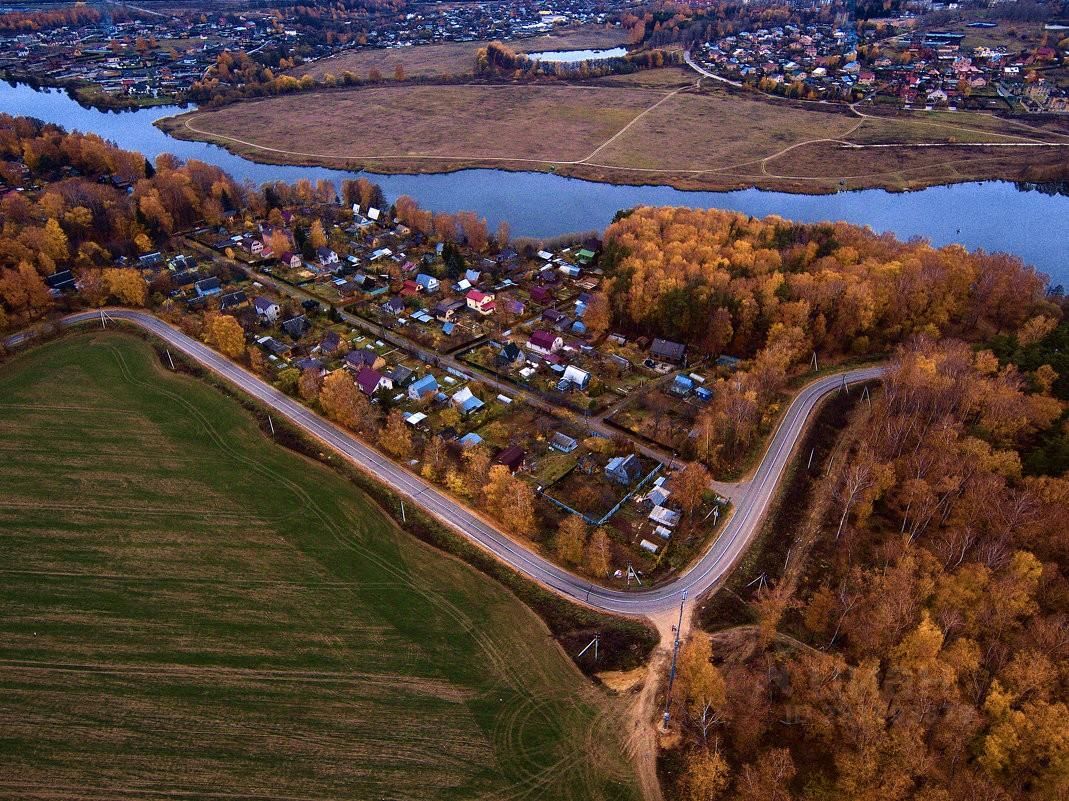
point(497, 58)
point(913, 644)
point(75, 15)
point(777, 293)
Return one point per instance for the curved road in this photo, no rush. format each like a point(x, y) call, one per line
point(703, 574)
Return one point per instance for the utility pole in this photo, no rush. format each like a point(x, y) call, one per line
point(403, 518)
point(271, 424)
point(675, 654)
point(816, 365)
point(170, 359)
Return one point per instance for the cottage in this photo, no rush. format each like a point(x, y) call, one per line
point(297, 326)
point(428, 283)
point(208, 286)
point(326, 256)
point(233, 300)
point(668, 351)
point(446, 311)
point(364, 357)
point(61, 281)
point(423, 388)
point(466, 402)
point(544, 342)
point(664, 516)
point(401, 376)
point(624, 469)
point(563, 443)
point(266, 309)
point(394, 305)
point(470, 440)
point(275, 348)
point(580, 379)
point(541, 294)
point(681, 386)
point(330, 344)
point(371, 381)
point(481, 302)
point(509, 355)
point(291, 260)
point(511, 457)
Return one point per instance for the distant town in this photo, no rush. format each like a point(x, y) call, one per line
point(894, 61)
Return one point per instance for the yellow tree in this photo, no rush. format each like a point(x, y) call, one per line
point(343, 402)
point(706, 776)
point(571, 537)
point(702, 688)
point(396, 436)
point(691, 485)
point(226, 335)
point(127, 286)
point(309, 383)
point(598, 553)
point(317, 237)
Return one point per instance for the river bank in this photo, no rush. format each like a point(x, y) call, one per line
point(994, 216)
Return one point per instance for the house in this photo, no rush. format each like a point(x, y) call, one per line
point(394, 305)
point(274, 347)
point(308, 363)
point(232, 300)
point(664, 516)
point(208, 286)
point(681, 386)
point(410, 288)
point(470, 440)
point(371, 381)
point(466, 402)
point(624, 469)
point(544, 342)
point(509, 355)
point(60, 281)
point(427, 282)
point(401, 376)
point(446, 311)
point(297, 326)
point(541, 294)
point(364, 357)
point(266, 309)
point(481, 302)
point(326, 256)
point(512, 457)
point(668, 351)
point(291, 260)
point(423, 387)
point(580, 379)
point(515, 307)
point(563, 443)
point(330, 344)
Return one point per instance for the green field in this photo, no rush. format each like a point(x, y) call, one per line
point(187, 609)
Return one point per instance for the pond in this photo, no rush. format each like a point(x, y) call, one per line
point(995, 216)
point(575, 56)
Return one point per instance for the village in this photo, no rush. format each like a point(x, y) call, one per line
point(896, 63)
point(488, 356)
point(148, 58)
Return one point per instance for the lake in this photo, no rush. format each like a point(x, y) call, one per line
point(993, 215)
point(575, 56)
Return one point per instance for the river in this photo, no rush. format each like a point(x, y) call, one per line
point(992, 215)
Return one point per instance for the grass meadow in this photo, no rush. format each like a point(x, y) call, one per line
point(188, 609)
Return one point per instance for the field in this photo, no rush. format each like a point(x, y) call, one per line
point(651, 127)
point(191, 610)
point(451, 59)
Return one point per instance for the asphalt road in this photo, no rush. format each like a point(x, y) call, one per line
point(702, 575)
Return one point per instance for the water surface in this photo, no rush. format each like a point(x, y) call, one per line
point(575, 56)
